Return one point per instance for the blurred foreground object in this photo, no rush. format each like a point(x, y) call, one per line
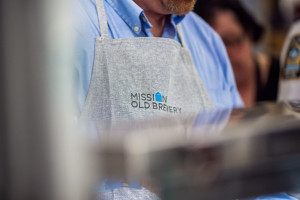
point(258, 153)
point(42, 157)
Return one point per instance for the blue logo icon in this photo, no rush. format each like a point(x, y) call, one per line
point(158, 97)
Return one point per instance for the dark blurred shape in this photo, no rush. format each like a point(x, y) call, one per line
point(206, 9)
point(297, 12)
point(3, 153)
point(277, 20)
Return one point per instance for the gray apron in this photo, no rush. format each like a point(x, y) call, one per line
point(142, 78)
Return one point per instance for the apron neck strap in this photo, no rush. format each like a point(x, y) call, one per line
point(181, 36)
point(102, 18)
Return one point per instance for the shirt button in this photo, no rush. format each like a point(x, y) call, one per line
point(136, 28)
point(125, 184)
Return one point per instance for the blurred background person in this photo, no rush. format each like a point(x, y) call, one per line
point(256, 74)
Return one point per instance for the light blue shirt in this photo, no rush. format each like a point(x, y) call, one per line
point(127, 20)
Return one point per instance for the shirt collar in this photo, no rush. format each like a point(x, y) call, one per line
point(176, 19)
point(133, 15)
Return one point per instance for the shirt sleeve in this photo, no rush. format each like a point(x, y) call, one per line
point(228, 73)
point(86, 31)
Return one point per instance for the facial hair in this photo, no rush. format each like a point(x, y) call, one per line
point(180, 7)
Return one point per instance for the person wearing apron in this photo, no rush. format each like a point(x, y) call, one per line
point(158, 80)
point(143, 78)
point(130, 84)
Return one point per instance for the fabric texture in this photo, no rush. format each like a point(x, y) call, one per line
point(207, 49)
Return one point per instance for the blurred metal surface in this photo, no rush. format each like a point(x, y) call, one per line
point(257, 153)
point(246, 167)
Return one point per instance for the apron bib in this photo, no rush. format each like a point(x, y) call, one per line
point(142, 78)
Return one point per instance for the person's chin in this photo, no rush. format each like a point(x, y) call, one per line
point(179, 7)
